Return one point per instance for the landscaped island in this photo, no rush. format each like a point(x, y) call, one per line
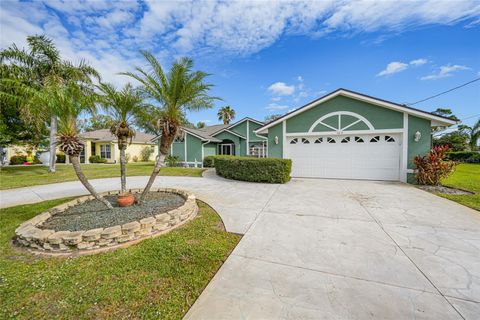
point(84, 224)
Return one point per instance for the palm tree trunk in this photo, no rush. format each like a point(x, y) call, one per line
point(156, 170)
point(123, 173)
point(53, 143)
point(78, 170)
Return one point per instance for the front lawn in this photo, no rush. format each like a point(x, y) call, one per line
point(25, 176)
point(156, 279)
point(466, 177)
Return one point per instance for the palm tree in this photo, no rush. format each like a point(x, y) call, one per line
point(39, 66)
point(473, 133)
point(226, 114)
point(201, 125)
point(122, 106)
point(179, 90)
point(68, 101)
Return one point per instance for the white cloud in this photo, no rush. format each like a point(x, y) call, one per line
point(418, 62)
point(445, 71)
point(275, 107)
point(281, 89)
point(393, 67)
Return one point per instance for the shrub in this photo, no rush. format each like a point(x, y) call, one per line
point(18, 159)
point(96, 159)
point(270, 170)
point(61, 158)
point(146, 153)
point(432, 168)
point(172, 161)
point(208, 162)
point(127, 157)
point(135, 159)
point(464, 156)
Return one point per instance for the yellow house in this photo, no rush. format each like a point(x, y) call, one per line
point(104, 144)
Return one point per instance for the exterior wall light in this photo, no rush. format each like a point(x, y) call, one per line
point(276, 139)
point(417, 136)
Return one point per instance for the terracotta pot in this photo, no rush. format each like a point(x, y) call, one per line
point(125, 200)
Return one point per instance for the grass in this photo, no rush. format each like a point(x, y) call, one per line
point(466, 177)
point(25, 176)
point(156, 279)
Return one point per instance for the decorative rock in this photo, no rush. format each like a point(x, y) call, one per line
point(73, 238)
point(57, 237)
point(131, 227)
point(42, 235)
point(148, 222)
point(85, 245)
point(174, 213)
point(112, 232)
point(161, 226)
point(104, 242)
point(92, 234)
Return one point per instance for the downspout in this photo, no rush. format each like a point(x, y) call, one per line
point(203, 152)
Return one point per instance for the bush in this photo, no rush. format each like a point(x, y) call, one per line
point(270, 170)
point(146, 153)
point(135, 159)
point(127, 157)
point(464, 156)
point(432, 168)
point(18, 159)
point(172, 161)
point(208, 162)
point(61, 158)
point(96, 159)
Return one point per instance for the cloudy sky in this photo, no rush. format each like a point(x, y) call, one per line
point(269, 57)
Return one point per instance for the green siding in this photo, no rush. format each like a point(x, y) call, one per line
point(210, 149)
point(178, 150)
point(241, 129)
point(275, 150)
point(381, 118)
point(253, 126)
point(194, 148)
point(423, 146)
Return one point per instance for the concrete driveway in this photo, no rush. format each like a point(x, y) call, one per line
point(328, 249)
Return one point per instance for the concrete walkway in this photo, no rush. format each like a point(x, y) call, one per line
point(328, 249)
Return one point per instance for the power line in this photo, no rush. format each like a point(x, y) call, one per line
point(447, 91)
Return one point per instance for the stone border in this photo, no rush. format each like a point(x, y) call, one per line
point(102, 239)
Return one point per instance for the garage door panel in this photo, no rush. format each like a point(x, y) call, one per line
point(375, 157)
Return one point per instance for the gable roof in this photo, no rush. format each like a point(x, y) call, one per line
point(436, 119)
point(104, 135)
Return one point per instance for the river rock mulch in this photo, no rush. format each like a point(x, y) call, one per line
point(444, 190)
point(93, 214)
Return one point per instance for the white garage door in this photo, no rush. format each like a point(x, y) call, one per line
point(371, 157)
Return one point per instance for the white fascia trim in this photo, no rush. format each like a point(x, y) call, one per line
point(248, 139)
point(243, 120)
point(404, 166)
point(185, 147)
point(331, 133)
point(284, 139)
point(438, 120)
point(203, 152)
point(226, 130)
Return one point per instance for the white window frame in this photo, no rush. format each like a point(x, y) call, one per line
point(104, 151)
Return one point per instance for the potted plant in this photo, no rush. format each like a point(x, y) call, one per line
point(125, 199)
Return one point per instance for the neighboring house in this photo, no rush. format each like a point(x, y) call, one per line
point(349, 135)
point(237, 139)
point(104, 144)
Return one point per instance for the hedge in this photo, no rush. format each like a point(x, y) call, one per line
point(208, 161)
point(464, 156)
point(61, 158)
point(269, 170)
point(96, 159)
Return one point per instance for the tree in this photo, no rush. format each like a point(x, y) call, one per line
point(201, 125)
point(456, 140)
point(40, 66)
point(122, 106)
point(95, 122)
point(445, 112)
point(176, 91)
point(68, 101)
point(473, 134)
point(226, 114)
point(272, 117)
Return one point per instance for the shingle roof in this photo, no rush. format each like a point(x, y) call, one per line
point(106, 136)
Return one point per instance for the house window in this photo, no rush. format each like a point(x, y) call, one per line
point(319, 140)
point(389, 139)
point(375, 139)
point(105, 151)
point(294, 141)
point(331, 140)
point(345, 140)
point(305, 141)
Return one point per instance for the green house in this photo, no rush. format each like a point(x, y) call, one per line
point(349, 135)
point(237, 139)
